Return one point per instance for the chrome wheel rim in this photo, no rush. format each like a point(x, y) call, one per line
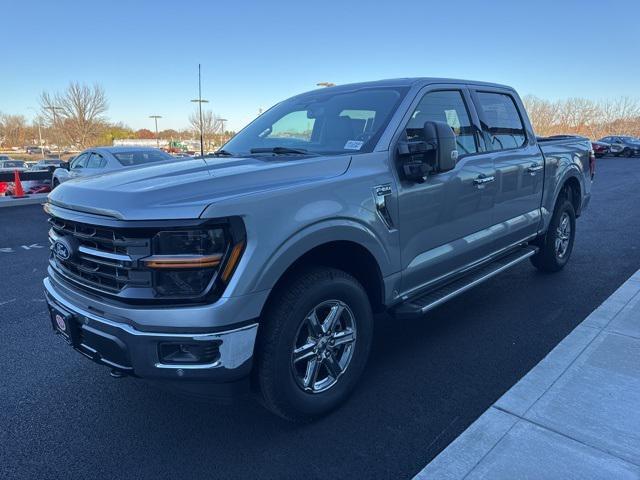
point(563, 235)
point(323, 346)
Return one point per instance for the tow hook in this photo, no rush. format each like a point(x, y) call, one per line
point(117, 373)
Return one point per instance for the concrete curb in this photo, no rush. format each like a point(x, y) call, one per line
point(17, 202)
point(574, 415)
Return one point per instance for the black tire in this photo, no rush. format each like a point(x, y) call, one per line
point(548, 258)
point(275, 375)
point(55, 183)
point(627, 153)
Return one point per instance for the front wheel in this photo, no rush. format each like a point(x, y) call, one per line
point(557, 244)
point(314, 343)
point(627, 153)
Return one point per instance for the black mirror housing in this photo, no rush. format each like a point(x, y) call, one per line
point(414, 160)
point(443, 139)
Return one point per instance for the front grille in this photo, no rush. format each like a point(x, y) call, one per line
point(104, 259)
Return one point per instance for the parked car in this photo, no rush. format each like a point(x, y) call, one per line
point(600, 149)
point(105, 159)
point(49, 164)
point(263, 267)
point(34, 150)
point(622, 145)
point(7, 164)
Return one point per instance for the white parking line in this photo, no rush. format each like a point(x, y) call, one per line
point(33, 246)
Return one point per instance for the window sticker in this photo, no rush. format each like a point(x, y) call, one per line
point(353, 145)
point(452, 118)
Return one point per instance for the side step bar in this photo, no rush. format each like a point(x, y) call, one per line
point(418, 306)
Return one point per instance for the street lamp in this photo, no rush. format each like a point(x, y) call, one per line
point(200, 101)
point(53, 109)
point(326, 84)
point(156, 117)
point(38, 119)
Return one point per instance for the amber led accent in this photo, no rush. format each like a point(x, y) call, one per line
point(183, 261)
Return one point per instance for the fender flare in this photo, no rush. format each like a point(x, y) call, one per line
point(315, 235)
point(572, 171)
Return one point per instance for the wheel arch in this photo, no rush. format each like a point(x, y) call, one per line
point(350, 248)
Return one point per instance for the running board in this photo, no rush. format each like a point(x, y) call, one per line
point(418, 306)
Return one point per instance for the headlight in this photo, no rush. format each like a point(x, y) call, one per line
point(186, 263)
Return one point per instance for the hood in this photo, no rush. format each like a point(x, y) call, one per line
point(183, 189)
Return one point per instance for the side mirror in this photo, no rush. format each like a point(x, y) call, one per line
point(414, 160)
point(443, 139)
point(65, 165)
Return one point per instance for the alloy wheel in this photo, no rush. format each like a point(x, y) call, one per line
point(323, 346)
point(563, 235)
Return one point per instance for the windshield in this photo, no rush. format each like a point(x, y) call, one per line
point(140, 157)
point(320, 122)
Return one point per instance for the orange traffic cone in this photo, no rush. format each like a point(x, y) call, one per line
point(18, 192)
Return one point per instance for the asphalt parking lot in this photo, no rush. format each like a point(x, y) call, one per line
point(62, 416)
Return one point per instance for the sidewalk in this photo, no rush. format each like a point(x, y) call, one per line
point(576, 415)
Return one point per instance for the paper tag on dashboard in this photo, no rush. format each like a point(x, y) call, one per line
point(353, 145)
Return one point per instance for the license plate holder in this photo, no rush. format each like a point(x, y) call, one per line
point(64, 323)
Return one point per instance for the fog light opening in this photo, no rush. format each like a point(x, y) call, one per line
point(172, 353)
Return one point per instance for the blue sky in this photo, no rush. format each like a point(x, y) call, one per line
point(253, 54)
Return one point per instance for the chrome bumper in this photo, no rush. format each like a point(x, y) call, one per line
point(126, 349)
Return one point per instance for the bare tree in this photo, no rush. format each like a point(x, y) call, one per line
point(542, 114)
point(14, 130)
point(211, 125)
point(77, 113)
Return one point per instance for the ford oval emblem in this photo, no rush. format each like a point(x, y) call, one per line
point(62, 249)
point(60, 322)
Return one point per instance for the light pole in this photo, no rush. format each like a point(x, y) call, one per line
point(38, 119)
point(325, 84)
point(200, 101)
point(53, 109)
point(156, 117)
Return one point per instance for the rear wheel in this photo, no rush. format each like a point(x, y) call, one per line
point(314, 343)
point(557, 244)
point(627, 152)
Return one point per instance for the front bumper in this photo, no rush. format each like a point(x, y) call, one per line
point(126, 349)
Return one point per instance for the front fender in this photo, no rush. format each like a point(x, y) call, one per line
point(318, 234)
point(61, 174)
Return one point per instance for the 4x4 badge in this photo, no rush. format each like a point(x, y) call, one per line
point(381, 192)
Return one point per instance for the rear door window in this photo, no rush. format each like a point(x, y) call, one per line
point(501, 121)
point(96, 161)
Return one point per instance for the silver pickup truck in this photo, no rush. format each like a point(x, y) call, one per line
point(261, 268)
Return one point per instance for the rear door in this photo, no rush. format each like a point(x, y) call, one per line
point(519, 165)
point(445, 221)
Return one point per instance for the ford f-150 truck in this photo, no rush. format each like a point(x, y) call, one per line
point(262, 268)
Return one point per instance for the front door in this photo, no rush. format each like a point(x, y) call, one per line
point(445, 222)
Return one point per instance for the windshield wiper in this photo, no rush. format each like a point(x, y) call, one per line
point(222, 153)
point(280, 150)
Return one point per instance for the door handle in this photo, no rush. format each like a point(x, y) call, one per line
point(480, 182)
point(533, 169)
